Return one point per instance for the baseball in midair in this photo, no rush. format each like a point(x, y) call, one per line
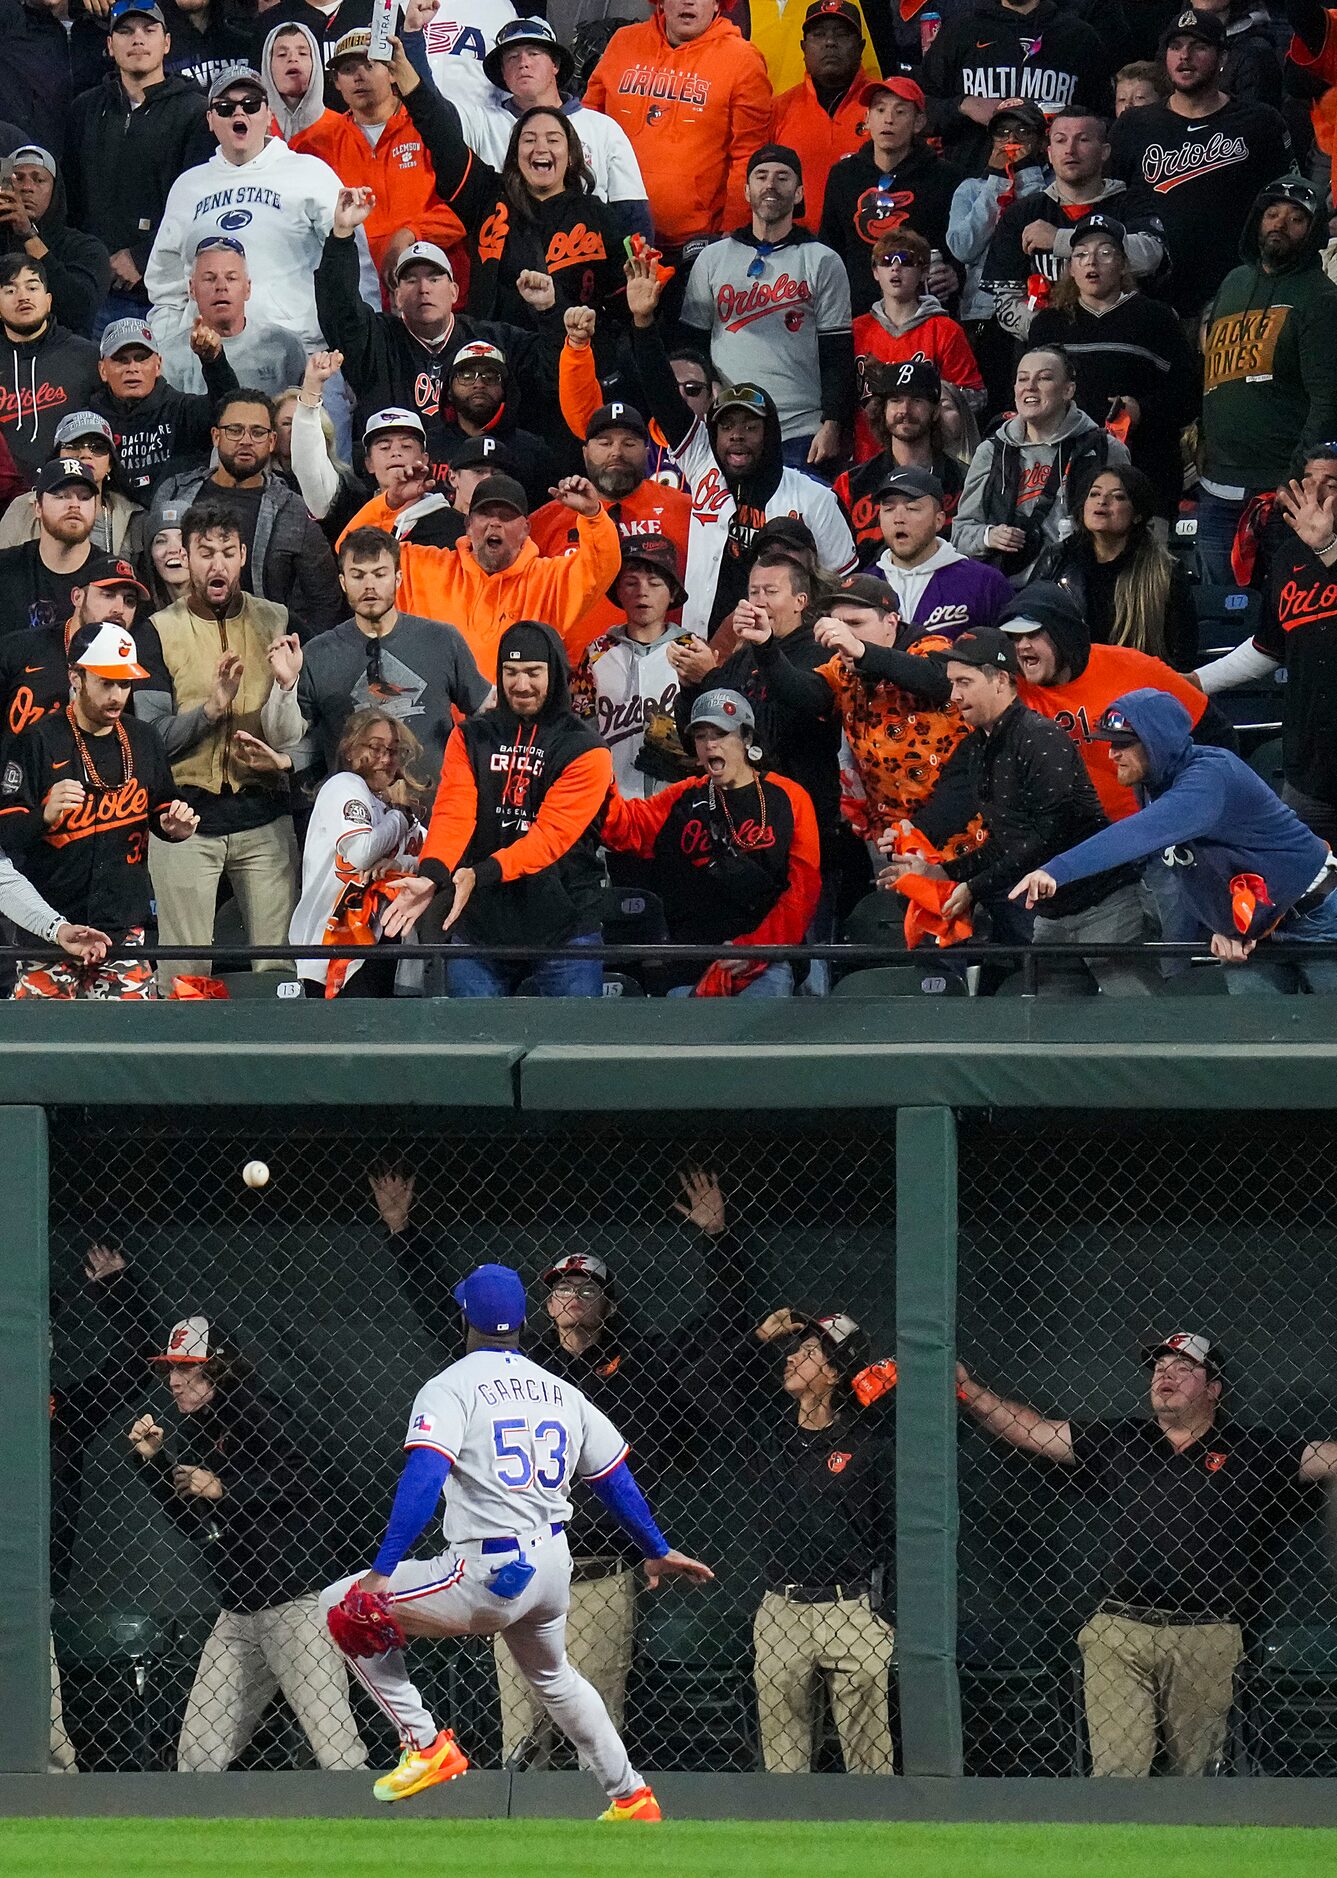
point(255, 1174)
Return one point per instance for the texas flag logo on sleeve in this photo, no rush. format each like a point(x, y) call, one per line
point(423, 1424)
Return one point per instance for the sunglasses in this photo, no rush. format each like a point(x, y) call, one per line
point(896, 260)
point(373, 661)
point(477, 375)
point(229, 107)
point(694, 388)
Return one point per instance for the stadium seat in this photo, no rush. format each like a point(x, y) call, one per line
point(121, 1680)
point(1287, 1701)
point(877, 920)
point(249, 984)
point(632, 916)
point(1265, 761)
point(931, 979)
point(1199, 981)
point(1227, 616)
point(1053, 981)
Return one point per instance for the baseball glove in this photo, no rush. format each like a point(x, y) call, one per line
point(363, 1625)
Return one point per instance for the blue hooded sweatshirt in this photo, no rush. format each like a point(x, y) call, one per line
point(1219, 818)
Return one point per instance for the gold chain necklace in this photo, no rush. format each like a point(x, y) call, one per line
point(86, 758)
point(717, 801)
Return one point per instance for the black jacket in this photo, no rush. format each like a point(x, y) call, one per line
point(93, 865)
point(77, 268)
point(205, 45)
point(1136, 350)
point(862, 204)
point(122, 162)
point(44, 67)
point(1049, 57)
point(805, 749)
point(498, 772)
point(41, 380)
point(169, 431)
point(267, 1541)
point(1031, 785)
point(386, 365)
point(1091, 584)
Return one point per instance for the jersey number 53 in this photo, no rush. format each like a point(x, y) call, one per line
point(526, 1455)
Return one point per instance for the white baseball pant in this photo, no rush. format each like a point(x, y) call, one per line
point(451, 1594)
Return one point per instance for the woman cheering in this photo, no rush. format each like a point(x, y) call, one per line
point(355, 840)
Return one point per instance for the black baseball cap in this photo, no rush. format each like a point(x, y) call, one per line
point(776, 153)
point(867, 590)
point(986, 648)
point(910, 481)
point(59, 472)
point(482, 453)
point(108, 570)
point(1190, 24)
point(504, 490)
point(785, 534)
point(1098, 224)
point(616, 416)
point(912, 378)
point(659, 553)
point(843, 10)
point(1022, 112)
point(1113, 727)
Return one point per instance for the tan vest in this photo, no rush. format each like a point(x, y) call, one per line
point(191, 649)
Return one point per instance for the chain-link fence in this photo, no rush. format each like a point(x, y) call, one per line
point(198, 1507)
point(1144, 1581)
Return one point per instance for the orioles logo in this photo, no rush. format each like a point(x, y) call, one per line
point(122, 807)
point(178, 1337)
point(492, 235)
point(427, 393)
point(1215, 1462)
point(838, 1462)
point(574, 247)
point(881, 211)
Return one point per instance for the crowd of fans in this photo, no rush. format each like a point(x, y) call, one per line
point(738, 456)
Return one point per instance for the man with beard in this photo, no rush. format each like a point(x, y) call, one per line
point(771, 305)
point(78, 799)
point(617, 448)
point(288, 559)
point(208, 707)
point(1204, 155)
point(895, 181)
point(46, 370)
point(38, 578)
point(418, 671)
point(1270, 355)
point(735, 463)
point(482, 402)
point(496, 575)
point(901, 410)
point(822, 118)
point(35, 666)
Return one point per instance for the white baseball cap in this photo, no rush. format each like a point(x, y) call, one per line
point(112, 654)
point(393, 417)
point(578, 1265)
point(1193, 1344)
point(188, 1343)
point(424, 251)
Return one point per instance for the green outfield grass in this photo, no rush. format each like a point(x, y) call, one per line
point(403, 1847)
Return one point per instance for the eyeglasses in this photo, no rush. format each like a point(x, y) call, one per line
point(229, 107)
point(694, 388)
point(1102, 250)
point(477, 375)
point(253, 433)
point(380, 748)
point(584, 1292)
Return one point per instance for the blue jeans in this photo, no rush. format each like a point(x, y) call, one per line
point(555, 978)
point(777, 981)
point(1217, 520)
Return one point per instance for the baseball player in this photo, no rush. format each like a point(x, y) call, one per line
point(505, 1439)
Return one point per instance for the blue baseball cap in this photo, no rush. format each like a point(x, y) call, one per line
point(134, 9)
point(492, 1299)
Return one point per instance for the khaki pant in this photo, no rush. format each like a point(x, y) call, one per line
point(848, 1645)
point(60, 1754)
point(263, 866)
point(1138, 1678)
point(249, 1657)
point(599, 1626)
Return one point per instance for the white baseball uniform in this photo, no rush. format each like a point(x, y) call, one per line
point(516, 1436)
